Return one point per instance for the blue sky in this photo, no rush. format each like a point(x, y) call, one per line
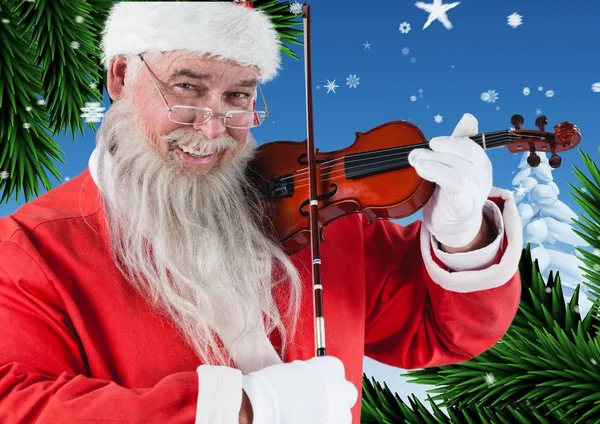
point(557, 48)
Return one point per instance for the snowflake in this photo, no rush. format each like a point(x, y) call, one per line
point(420, 90)
point(331, 86)
point(596, 267)
point(514, 20)
point(367, 45)
point(538, 111)
point(67, 178)
point(318, 87)
point(596, 87)
point(4, 175)
point(79, 19)
point(5, 21)
point(526, 91)
point(413, 98)
point(92, 112)
point(489, 378)
point(497, 107)
point(404, 27)
point(437, 11)
point(438, 118)
point(452, 66)
point(28, 108)
point(550, 93)
point(26, 125)
point(593, 361)
point(489, 96)
point(413, 60)
point(41, 102)
point(405, 51)
point(352, 81)
point(540, 88)
point(295, 8)
point(75, 44)
point(548, 289)
point(93, 85)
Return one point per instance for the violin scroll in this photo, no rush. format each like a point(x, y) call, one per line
point(566, 136)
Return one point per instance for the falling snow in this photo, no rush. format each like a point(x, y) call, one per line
point(413, 98)
point(404, 28)
point(5, 21)
point(41, 102)
point(413, 60)
point(490, 379)
point(438, 118)
point(550, 93)
point(352, 81)
point(526, 91)
point(79, 19)
point(405, 51)
point(92, 112)
point(489, 96)
point(367, 45)
point(28, 108)
point(26, 125)
point(295, 8)
point(540, 88)
point(4, 175)
point(514, 20)
point(74, 45)
point(596, 87)
point(331, 86)
point(538, 111)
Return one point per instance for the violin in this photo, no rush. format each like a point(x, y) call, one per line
point(372, 176)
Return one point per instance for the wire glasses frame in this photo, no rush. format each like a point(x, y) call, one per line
point(257, 115)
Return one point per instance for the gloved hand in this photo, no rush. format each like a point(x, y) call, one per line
point(300, 392)
point(463, 174)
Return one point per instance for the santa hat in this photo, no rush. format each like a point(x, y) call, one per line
point(223, 30)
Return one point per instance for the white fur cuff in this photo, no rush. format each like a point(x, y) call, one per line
point(491, 277)
point(219, 395)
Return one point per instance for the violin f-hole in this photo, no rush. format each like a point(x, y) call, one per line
point(320, 197)
point(303, 160)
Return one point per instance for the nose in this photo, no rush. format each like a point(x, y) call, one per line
point(213, 128)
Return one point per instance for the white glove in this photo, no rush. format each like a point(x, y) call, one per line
point(300, 392)
point(463, 174)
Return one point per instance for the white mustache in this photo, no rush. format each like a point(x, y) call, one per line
point(181, 137)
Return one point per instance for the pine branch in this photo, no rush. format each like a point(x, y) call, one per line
point(380, 405)
point(589, 227)
point(66, 52)
point(25, 145)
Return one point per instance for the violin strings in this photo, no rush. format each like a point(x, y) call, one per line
point(388, 158)
point(490, 143)
point(403, 162)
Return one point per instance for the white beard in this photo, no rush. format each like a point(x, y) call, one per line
point(192, 243)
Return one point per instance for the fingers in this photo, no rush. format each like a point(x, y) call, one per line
point(445, 176)
point(466, 127)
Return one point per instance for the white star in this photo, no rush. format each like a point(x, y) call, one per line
point(367, 45)
point(437, 10)
point(331, 86)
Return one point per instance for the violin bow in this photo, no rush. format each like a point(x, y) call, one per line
point(315, 230)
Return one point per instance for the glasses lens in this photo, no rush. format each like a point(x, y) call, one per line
point(245, 119)
point(189, 115)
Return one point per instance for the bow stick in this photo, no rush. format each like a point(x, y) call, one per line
point(315, 229)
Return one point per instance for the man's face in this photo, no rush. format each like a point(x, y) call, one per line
point(185, 80)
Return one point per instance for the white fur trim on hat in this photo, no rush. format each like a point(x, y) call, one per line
point(223, 30)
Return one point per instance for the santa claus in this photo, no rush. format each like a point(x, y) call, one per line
point(146, 290)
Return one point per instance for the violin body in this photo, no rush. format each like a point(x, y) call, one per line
point(372, 176)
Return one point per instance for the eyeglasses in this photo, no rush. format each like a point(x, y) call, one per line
point(190, 115)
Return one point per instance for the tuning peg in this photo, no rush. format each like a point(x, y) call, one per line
point(541, 122)
point(517, 121)
point(533, 160)
point(555, 161)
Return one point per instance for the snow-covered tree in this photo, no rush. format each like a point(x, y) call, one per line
point(547, 223)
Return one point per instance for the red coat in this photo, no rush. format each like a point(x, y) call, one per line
point(78, 344)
